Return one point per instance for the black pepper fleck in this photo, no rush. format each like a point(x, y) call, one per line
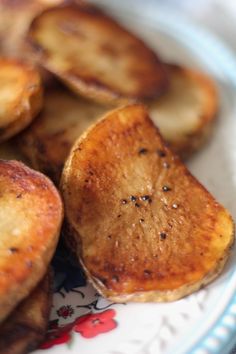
point(163, 235)
point(133, 198)
point(115, 278)
point(161, 153)
point(137, 205)
point(19, 196)
point(13, 249)
point(119, 215)
point(145, 197)
point(109, 236)
point(166, 189)
point(147, 273)
point(141, 220)
point(142, 151)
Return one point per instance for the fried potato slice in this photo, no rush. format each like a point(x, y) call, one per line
point(15, 18)
point(186, 113)
point(145, 229)
point(95, 56)
point(30, 220)
point(26, 326)
point(47, 142)
point(20, 96)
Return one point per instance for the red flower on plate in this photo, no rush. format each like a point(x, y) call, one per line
point(88, 326)
point(57, 335)
point(65, 311)
point(93, 324)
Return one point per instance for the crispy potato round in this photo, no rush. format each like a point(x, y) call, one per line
point(186, 113)
point(95, 56)
point(15, 18)
point(144, 228)
point(20, 96)
point(47, 142)
point(26, 326)
point(30, 219)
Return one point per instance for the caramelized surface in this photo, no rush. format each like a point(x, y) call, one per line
point(26, 326)
point(47, 142)
point(145, 228)
point(20, 96)
point(95, 56)
point(30, 220)
point(186, 113)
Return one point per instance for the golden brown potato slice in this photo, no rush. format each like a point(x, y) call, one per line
point(15, 18)
point(186, 114)
point(26, 326)
point(47, 142)
point(20, 97)
point(30, 220)
point(95, 56)
point(145, 228)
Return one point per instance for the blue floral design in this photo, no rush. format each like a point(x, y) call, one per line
point(68, 273)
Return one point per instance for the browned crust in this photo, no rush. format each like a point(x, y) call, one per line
point(156, 249)
point(141, 66)
point(47, 142)
point(30, 219)
point(25, 107)
point(187, 142)
point(26, 327)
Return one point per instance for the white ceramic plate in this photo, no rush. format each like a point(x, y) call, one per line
point(205, 322)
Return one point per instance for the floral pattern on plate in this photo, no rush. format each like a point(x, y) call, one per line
point(88, 315)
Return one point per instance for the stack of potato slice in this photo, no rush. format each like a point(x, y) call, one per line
point(136, 231)
point(30, 221)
